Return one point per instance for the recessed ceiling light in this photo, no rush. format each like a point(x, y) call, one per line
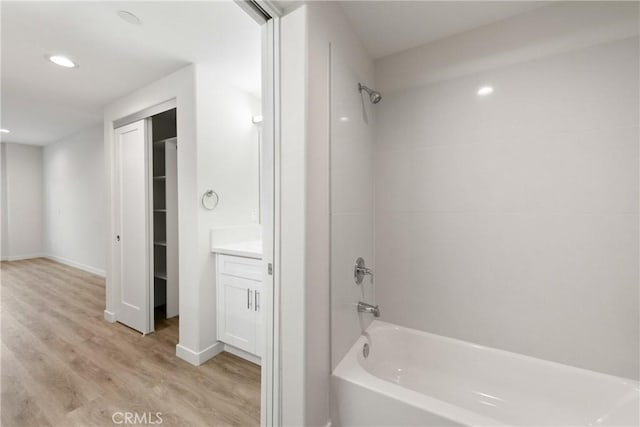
point(485, 90)
point(62, 61)
point(129, 17)
point(5, 131)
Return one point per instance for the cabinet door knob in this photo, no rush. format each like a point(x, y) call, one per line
point(256, 301)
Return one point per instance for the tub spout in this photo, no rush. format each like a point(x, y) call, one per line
point(363, 307)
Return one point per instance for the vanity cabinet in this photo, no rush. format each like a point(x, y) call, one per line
point(238, 292)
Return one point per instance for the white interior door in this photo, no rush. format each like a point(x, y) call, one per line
point(131, 275)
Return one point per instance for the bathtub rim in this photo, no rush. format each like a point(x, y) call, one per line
point(351, 370)
point(380, 324)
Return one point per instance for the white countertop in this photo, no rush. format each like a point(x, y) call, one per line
point(248, 249)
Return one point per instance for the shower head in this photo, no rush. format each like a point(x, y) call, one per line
point(374, 96)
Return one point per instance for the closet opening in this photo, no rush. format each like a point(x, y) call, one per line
point(164, 219)
point(146, 202)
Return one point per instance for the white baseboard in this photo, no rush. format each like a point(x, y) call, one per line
point(241, 353)
point(198, 358)
point(78, 265)
point(21, 257)
point(109, 316)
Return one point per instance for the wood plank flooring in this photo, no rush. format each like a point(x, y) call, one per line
point(64, 365)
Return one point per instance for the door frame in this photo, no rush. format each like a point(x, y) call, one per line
point(268, 16)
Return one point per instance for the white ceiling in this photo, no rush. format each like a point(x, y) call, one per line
point(388, 27)
point(42, 103)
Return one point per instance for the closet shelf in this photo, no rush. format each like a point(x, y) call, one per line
point(159, 210)
point(157, 178)
point(160, 243)
point(162, 141)
point(160, 276)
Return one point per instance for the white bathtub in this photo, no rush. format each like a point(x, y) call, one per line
point(416, 378)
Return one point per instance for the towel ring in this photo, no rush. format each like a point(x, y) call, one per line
point(210, 200)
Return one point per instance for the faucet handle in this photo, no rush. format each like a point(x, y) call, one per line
point(360, 270)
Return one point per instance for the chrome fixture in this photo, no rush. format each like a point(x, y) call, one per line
point(210, 200)
point(360, 270)
point(363, 307)
point(374, 96)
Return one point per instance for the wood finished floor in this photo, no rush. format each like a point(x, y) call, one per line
point(63, 365)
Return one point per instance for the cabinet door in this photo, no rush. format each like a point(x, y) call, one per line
point(238, 319)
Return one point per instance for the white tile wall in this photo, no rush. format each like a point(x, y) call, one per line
point(512, 220)
point(352, 148)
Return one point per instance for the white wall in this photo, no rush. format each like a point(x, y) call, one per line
point(75, 209)
point(291, 200)
point(217, 149)
point(4, 212)
point(561, 27)
point(22, 185)
point(310, 33)
point(181, 87)
point(512, 220)
point(228, 163)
